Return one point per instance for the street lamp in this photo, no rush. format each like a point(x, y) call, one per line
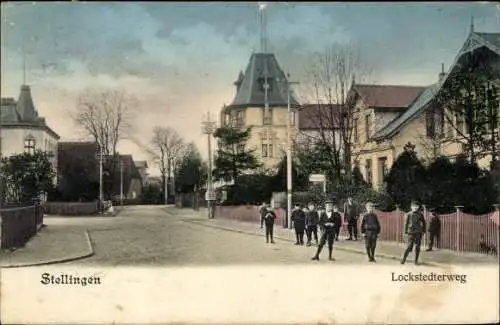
point(208, 128)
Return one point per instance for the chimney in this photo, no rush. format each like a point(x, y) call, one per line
point(442, 74)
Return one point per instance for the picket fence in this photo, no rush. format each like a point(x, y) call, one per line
point(459, 231)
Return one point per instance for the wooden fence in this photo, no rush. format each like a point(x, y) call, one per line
point(19, 224)
point(459, 231)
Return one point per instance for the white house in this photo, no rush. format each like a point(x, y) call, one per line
point(22, 130)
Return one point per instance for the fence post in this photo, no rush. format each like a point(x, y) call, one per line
point(457, 227)
point(398, 225)
point(497, 211)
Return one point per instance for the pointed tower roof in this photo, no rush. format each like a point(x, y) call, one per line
point(25, 106)
point(251, 91)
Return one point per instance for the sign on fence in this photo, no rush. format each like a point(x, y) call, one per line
point(210, 195)
point(318, 178)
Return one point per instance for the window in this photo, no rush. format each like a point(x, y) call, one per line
point(382, 163)
point(264, 150)
point(240, 118)
point(368, 171)
point(227, 119)
point(367, 127)
point(29, 145)
point(240, 148)
point(270, 150)
point(267, 117)
point(262, 84)
point(449, 127)
point(355, 130)
point(441, 123)
point(292, 118)
point(430, 123)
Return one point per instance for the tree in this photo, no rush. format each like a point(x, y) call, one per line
point(191, 173)
point(440, 183)
point(169, 145)
point(332, 74)
point(406, 179)
point(27, 176)
point(105, 115)
point(279, 181)
point(469, 104)
point(232, 157)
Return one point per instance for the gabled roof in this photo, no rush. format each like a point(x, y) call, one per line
point(387, 96)
point(141, 164)
point(250, 91)
point(315, 116)
point(473, 42)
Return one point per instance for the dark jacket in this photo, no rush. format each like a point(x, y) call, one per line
point(335, 219)
point(435, 224)
point(370, 223)
point(299, 218)
point(351, 211)
point(269, 217)
point(415, 223)
point(312, 218)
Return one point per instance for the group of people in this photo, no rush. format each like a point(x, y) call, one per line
point(308, 220)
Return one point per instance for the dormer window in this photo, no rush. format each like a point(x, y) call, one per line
point(29, 145)
point(262, 84)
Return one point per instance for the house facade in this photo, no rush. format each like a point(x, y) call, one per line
point(416, 120)
point(261, 103)
point(22, 130)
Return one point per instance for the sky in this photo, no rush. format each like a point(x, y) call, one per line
point(179, 60)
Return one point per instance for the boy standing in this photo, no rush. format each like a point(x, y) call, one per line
point(414, 230)
point(329, 221)
point(370, 228)
point(269, 218)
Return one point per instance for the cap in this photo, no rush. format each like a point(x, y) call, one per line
point(329, 201)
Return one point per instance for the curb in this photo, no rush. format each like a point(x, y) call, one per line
point(352, 250)
point(59, 260)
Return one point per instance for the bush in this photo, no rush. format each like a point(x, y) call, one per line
point(249, 189)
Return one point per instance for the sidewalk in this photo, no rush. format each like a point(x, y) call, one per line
point(384, 249)
point(53, 244)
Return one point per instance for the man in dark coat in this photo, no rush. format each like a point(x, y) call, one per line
point(328, 221)
point(434, 230)
point(414, 230)
point(299, 223)
point(312, 220)
point(351, 213)
point(370, 228)
point(262, 212)
point(269, 218)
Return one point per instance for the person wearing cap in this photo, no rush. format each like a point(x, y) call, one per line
point(351, 213)
point(262, 212)
point(370, 228)
point(312, 219)
point(329, 221)
point(269, 218)
point(434, 230)
point(299, 223)
point(414, 229)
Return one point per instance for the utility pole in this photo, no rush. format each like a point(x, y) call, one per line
point(289, 152)
point(101, 192)
point(121, 180)
point(208, 129)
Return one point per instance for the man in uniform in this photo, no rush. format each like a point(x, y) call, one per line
point(269, 218)
point(351, 214)
point(434, 230)
point(299, 223)
point(328, 221)
point(262, 212)
point(370, 228)
point(414, 230)
point(312, 220)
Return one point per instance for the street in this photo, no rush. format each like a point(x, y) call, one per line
point(147, 235)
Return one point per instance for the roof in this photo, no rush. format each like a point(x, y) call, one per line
point(473, 42)
point(388, 96)
point(250, 91)
point(23, 112)
point(129, 172)
point(141, 164)
point(313, 116)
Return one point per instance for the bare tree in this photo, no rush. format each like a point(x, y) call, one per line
point(105, 115)
point(170, 146)
point(468, 106)
point(332, 74)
